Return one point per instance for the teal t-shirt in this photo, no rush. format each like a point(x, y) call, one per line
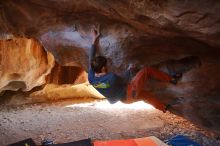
point(110, 85)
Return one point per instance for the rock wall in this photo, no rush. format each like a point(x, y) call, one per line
point(24, 64)
point(66, 75)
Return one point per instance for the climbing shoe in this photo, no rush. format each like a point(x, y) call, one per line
point(173, 81)
point(176, 78)
point(167, 107)
point(174, 102)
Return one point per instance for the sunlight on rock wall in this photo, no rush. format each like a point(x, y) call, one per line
point(24, 64)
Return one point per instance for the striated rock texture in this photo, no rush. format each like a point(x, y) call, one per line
point(145, 32)
point(147, 26)
point(66, 75)
point(24, 64)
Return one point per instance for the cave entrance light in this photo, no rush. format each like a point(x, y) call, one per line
point(104, 104)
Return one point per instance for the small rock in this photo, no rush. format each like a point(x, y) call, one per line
point(41, 137)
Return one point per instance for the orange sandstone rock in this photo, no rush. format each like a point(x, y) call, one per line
point(24, 64)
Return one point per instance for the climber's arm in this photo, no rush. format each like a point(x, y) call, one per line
point(92, 50)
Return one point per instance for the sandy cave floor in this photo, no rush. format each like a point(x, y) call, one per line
point(64, 121)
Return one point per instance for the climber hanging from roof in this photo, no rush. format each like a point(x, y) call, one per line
point(125, 88)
